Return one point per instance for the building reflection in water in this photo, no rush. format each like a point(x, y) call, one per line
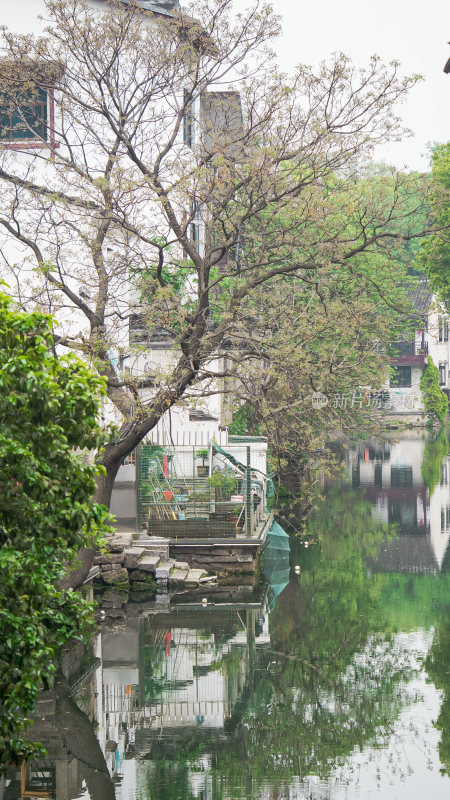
point(397, 478)
point(169, 674)
point(149, 686)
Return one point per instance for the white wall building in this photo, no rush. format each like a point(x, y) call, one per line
point(431, 339)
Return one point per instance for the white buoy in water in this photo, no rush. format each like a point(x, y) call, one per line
point(297, 569)
point(204, 601)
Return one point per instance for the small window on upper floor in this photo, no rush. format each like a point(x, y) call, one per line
point(23, 113)
point(442, 373)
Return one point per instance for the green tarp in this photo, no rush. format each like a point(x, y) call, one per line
point(276, 560)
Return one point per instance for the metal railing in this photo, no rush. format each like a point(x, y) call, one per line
point(399, 349)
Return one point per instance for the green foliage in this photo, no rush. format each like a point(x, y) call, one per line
point(435, 401)
point(437, 665)
point(434, 453)
point(244, 421)
point(203, 454)
point(48, 411)
point(436, 251)
point(224, 486)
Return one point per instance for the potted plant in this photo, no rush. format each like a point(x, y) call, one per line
point(203, 454)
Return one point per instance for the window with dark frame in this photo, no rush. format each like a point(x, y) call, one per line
point(401, 477)
point(187, 120)
point(442, 373)
point(443, 330)
point(23, 113)
point(401, 377)
point(195, 235)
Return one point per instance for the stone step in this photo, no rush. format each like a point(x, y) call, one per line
point(132, 557)
point(193, 576)
point(178, 575)
point(148, 563)
point(154, 545)
point(162, 572)
point(182, 565)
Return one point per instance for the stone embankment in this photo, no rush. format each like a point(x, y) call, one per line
point(140, 569)
point(142, 565)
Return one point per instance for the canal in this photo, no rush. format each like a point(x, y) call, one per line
point(328, 681)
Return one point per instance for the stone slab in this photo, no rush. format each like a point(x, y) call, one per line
point(245, 558)
point(162, 573)
point(109, 558)
point(132, 557)
point(156, 550)
point(194, 576)
point(115, 575)
point(148, 563)
point(178, 575)
point(115, 613)
point(120, 539)
point(182, 565)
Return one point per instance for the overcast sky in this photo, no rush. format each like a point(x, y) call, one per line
point(414, 32)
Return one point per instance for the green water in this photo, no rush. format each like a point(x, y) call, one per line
point(335, 683)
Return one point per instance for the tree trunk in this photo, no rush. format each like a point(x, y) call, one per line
point(75, 577)
point(105, 482)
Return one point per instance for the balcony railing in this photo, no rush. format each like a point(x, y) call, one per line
point(399, 349)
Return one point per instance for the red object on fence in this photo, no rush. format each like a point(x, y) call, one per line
point(168, 495)
point(166, 466)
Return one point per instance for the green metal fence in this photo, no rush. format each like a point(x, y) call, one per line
point(184, 492)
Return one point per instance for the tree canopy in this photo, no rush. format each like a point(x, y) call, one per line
point(436, 251)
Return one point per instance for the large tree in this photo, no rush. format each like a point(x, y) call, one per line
point(269, 170)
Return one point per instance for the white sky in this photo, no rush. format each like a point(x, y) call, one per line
point(414, 32)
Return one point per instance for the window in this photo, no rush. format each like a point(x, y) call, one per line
point(401, 376)
point(442, 373)
point(23, 113)
point(401, 477)
point(188, 137)
point(195, 235)
point(443, 330)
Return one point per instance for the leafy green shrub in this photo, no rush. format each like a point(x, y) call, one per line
point(435, 401)
point(224, 486)
point(48, 411)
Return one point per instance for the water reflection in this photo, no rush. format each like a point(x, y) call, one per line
point(327, 687)
point(407, 481)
